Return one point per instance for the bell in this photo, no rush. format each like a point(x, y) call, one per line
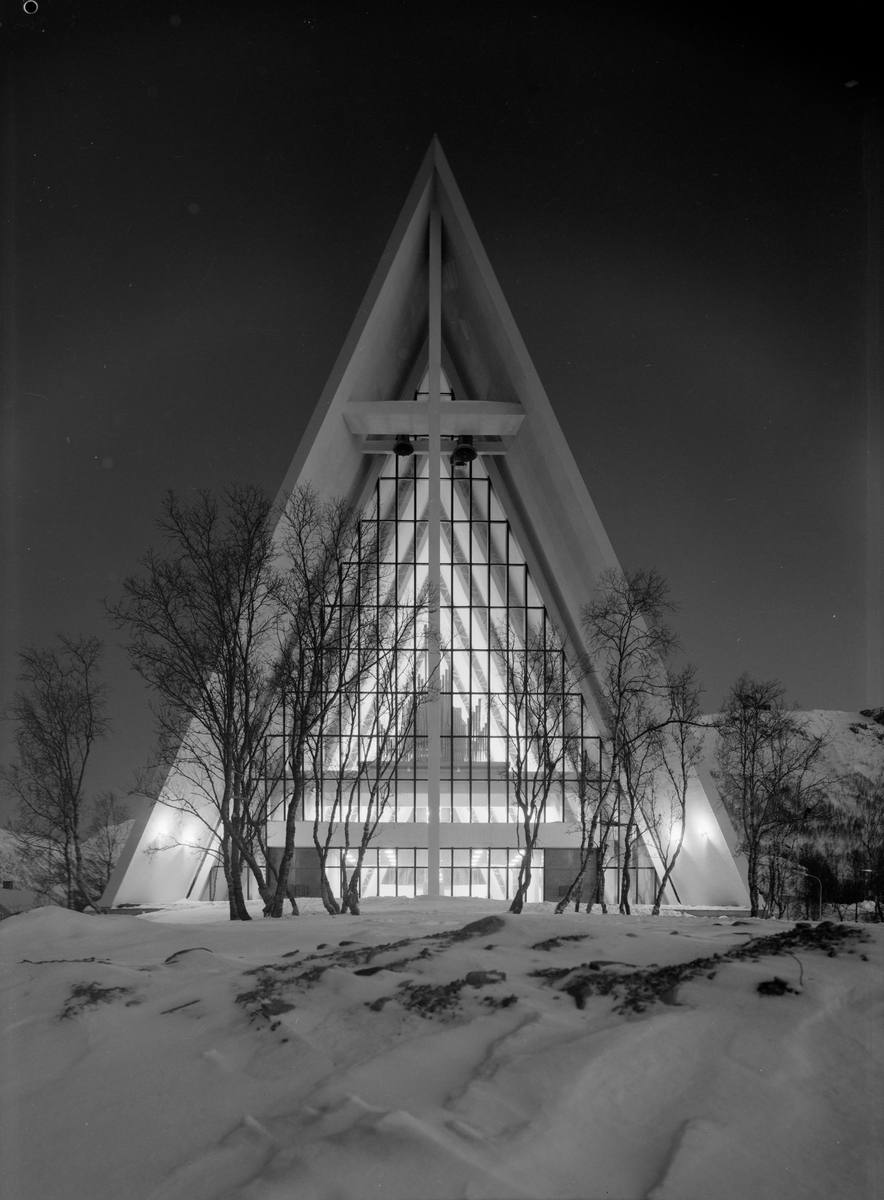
point(402, 446)
point(463, 452)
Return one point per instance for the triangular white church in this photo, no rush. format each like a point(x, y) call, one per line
point(434, 356)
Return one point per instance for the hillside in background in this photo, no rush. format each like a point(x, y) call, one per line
point(855, 747)
point(26, 866)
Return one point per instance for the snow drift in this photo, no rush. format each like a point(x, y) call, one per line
point(178, 1056)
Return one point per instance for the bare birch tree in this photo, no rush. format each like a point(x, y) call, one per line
point(628, 640)
point(387, 738)
point(861, 833)
point(540, 703)
point(680, 749)
point(589, 792)
point(106, 835)
point(204, 624)
point(355, 777)
point(769, 774)
point(343, 620)
point(59, 716)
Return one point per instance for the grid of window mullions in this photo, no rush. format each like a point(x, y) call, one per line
point(399, 537)
point(481, 872)
point(395, 871)
point(469, 495)
point(489, 874)
point(474, 540)
point(485, 583)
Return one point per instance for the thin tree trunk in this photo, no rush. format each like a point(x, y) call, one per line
point(374, 812)
point(523, 884)
point(239, 900)
point(667, 874)
point(68, 872)
point(753, 881)
point(83, 890)
point(354, 885)
point(525, 869)
point(625, 878)
point(228, 854)
point(325, 889)
point(282, 876)
point(598, 892)
point(576, 885)
point(247, 856)
point(236, 858)
point(282, 888)
point(228, 875)
point(78, 864)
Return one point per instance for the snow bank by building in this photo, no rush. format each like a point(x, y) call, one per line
point(177, 1056)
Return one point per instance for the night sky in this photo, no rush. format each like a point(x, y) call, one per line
point(196, 196)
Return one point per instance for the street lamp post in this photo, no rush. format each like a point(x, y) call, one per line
point(803, 871)
point(818, 882)
point(867, 872)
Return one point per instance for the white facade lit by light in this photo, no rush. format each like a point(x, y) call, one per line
point(510, 536)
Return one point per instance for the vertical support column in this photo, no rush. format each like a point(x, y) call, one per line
point(434, 538)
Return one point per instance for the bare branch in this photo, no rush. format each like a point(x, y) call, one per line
point(59, 715)
point(204, 622)
point(769, 773)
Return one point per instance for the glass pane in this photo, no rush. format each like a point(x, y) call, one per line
point(533, 596)
point(497, 549)
point(460, 586)
point(497, 881)
point(406, 503)
point(460, 882)
point(516, 583)
point(554, 806)
point(479, 579)
point(386, 492)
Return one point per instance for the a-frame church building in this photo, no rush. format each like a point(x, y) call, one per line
point(435, 423)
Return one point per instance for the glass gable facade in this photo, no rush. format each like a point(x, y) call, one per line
point(485, 588)
point(378, 747)
point(422, 753)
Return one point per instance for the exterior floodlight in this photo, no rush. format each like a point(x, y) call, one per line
point(463, 452)
point(402, 446)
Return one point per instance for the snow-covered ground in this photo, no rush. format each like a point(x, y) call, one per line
point(177, 1056)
